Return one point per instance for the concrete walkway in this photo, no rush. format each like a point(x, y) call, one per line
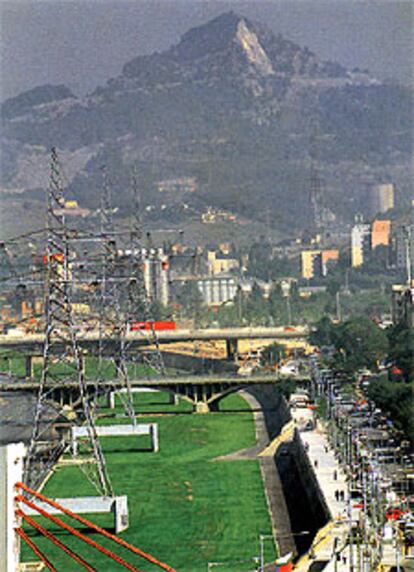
point(332, 480)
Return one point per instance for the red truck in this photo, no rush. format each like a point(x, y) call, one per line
point(156, 326)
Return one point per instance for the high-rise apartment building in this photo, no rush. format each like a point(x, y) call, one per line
point(381, 233)
point(381, 198)
point(311, 263)
point(360, 243)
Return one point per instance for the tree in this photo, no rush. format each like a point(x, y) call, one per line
point(396, 400)
point(401, 341)
point(286, 387)
point(190, 299)
point(360, 343)
point(273, 354)
point(256, 306)
point(325, 333)
point(160, 312)
point(277, 306)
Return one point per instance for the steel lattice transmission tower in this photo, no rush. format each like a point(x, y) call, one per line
point(316, 190)
point(138, 302)
point(62, 372)
point(108, 299)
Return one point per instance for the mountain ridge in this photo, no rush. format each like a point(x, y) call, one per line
point(233, 106)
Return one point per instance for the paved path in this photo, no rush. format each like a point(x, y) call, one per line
point(331, 479)
point(275, 498)
point(262, 436)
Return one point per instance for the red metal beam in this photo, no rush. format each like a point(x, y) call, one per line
point(35, 549)
point(55, 540)
point(78, 534)
point(102, 531)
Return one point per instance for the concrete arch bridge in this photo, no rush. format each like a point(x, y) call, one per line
point(204, 392)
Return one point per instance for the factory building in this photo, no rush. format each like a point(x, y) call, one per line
point(218, 290)
point(156, 275)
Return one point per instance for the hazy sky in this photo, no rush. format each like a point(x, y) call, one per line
point(82, 43)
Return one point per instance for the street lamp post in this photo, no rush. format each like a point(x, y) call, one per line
point(263, 537)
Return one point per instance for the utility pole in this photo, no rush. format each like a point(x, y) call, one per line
point(407, 244)
point(351, 540)
point(338, 306)
point(62, 360)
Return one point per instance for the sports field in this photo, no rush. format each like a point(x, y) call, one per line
point(185, 508)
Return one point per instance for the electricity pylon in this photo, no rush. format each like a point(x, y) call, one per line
point(138, 301)
point(62, 372)
point(109, 296)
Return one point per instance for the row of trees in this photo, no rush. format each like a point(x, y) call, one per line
point(254, 308)
point(360, 343)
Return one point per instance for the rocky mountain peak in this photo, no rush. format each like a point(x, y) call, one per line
point(214, 36)
point(253, 50)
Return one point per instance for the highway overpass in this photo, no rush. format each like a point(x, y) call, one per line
point(32, 344)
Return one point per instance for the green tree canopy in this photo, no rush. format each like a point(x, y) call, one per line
point(360, 343)
point(325, 333)
point(396, 400)
point(273, 354)
point(401, 341)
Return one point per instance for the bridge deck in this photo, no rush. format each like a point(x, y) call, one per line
point(86, 339)
point(19, 385)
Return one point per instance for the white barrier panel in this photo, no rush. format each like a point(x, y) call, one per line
point(113, 394)
point(84, 505)
point(117, 431)
point(11, 472)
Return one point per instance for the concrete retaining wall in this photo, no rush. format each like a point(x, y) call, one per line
point(305, 504)
point(305, 501)
point(194, 364)
point(275, 410)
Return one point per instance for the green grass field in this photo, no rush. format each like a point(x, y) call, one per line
point(185, 508)
point(15, 366)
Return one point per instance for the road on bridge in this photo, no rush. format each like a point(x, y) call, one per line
point(18, 385)
point(33, 343)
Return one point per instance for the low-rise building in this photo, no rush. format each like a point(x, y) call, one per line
point(328, 258)
point(213, 215)
point(177, 185)
point(219, 262)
